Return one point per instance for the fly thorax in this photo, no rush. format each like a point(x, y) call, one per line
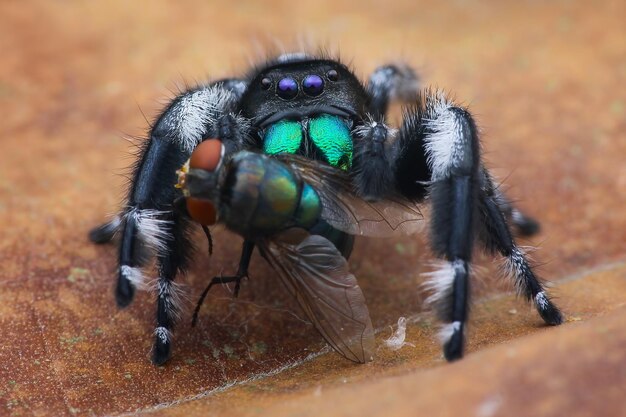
point(324, 137)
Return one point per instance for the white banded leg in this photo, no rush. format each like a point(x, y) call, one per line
point(451, 147)
point(496, 235)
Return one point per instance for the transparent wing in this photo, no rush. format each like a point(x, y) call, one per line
point(343, 209)
point(318, 276)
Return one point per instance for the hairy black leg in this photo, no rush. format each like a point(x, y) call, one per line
point(197, 115)
point(496, 235)
point(391, 82)
point(150, 223)
point(524, 224)
point(242, 272)
point(190, 118)
point(106, 231)
point(443, 137)
point(372, 172)
point(453, 195)
point(145, 228)
point(170, 263)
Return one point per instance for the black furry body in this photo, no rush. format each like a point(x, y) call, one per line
point(434, 157)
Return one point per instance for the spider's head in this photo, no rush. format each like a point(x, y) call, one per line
point(297, 86)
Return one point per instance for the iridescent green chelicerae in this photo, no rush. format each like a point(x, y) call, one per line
point(324, 135)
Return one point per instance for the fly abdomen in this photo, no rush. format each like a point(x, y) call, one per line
point(262, 196)
point(278, 197)
point(310, 208)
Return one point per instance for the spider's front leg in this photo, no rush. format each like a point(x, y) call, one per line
point(391, 82)
point(150, 224)
point(437, 155)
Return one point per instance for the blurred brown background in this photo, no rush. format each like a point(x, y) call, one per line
point(547, 85)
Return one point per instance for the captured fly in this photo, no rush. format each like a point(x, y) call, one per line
point(275, 202)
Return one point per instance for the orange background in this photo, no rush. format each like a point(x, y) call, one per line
point(546, 83)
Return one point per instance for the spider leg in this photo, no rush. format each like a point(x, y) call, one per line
point(451, 146)
point(496, 235)
point(391, 82)
point(372, 171)
point(150, 223)
point(524, 224)
point(437, 156)
point(106, 231)
point(170, 262)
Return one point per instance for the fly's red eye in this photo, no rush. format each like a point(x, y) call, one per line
point(207, 155)
point(201, 211)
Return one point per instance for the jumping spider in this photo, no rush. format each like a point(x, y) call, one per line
point(317, 108)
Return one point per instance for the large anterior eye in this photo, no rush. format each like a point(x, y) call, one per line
point(287, 88)
point(313, 85)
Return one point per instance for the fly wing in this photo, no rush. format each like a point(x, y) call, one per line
point(318, 276)
point(343, 209)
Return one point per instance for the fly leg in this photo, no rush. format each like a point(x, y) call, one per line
point(242, 272)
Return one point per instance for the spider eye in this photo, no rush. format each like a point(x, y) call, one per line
point(313, 85)
point(287, 88)
point(332, 75)
point(207, 155)
point(266, 83)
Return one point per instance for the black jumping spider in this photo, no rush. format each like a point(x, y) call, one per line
point(317, 108)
